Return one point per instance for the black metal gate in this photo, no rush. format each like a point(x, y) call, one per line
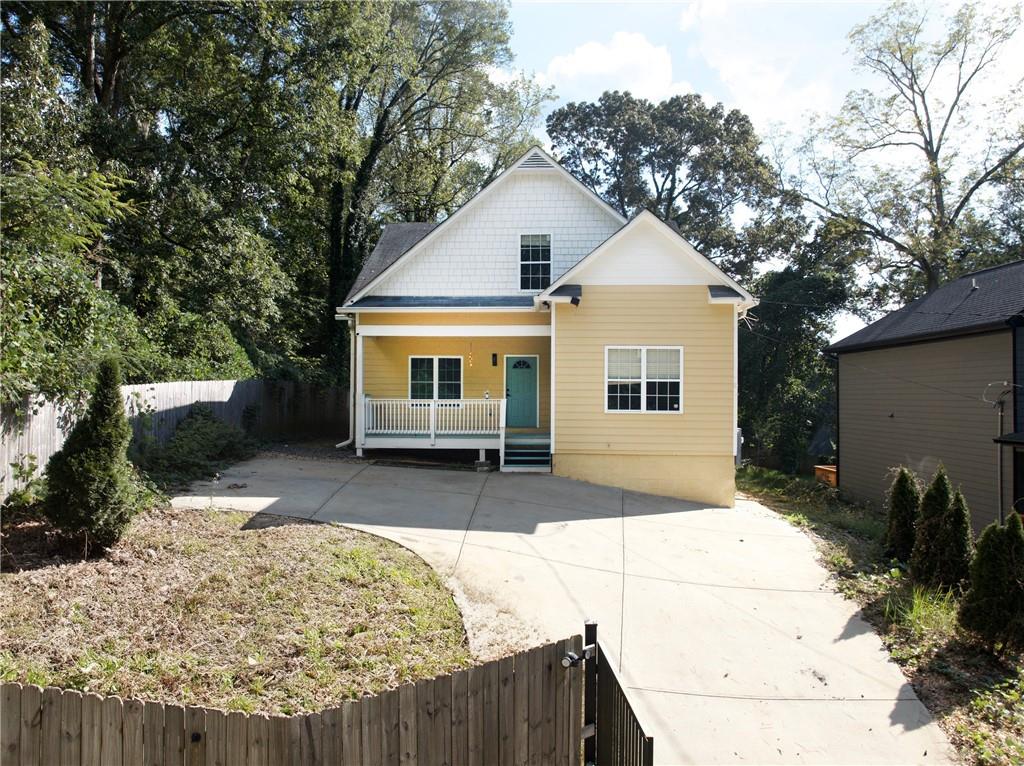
point(612, 734)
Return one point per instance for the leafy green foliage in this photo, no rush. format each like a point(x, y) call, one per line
point(26, 500)
point(786, 385)
point(925, 161)
point(691, 163)
point(993, 606)
point(195, 185)
point(954, 546)
point(91, 492)
point(935, 506)
point(904, 501)
point(201, 444)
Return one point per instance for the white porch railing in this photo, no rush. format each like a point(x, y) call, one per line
point(433, 418)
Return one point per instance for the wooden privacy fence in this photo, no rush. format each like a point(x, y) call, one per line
point(523, 709)
point(266, 408)
point(612, 733)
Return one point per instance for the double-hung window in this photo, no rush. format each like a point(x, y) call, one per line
point(435, 377)
point(643, 379)
point(534, 261)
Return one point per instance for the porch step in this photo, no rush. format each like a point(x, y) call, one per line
point(527, 452)
point(527, 439)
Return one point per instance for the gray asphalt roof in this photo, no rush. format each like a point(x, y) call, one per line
point(723, 291)
point(571, 291)
point(395, 241)
point(984, 300)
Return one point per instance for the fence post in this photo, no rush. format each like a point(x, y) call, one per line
point(590, 691)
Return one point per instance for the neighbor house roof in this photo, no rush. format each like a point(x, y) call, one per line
point(979, 302)
point(396, 240)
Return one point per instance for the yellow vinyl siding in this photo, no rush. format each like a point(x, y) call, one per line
point(386, 359)
point(687, 454)
point(645, 316)
point(456, 318)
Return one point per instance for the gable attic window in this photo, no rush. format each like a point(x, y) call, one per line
point(534, 261)
point(644, 379)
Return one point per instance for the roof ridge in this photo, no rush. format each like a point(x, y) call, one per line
point(982, 271)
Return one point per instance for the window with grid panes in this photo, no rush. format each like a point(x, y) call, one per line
point(644, 379)
point(435, 377)
point(534, 261)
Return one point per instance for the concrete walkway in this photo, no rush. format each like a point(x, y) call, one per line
point(728, 634)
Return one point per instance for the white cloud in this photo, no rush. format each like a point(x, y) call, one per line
point(699, 11)
point(500, 76)
point(629, 61)
point(767, 63)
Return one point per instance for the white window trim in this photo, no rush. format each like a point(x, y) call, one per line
point(504, 380)
point(435, 357)
point(519, 260)
point(643, 380)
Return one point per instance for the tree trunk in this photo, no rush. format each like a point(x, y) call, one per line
point(88, 31)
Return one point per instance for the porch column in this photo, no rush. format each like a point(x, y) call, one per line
point(551, 392)
point(360, 403)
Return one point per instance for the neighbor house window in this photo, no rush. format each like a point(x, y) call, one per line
point(534, 261)
point(643, 379)
point(435, 377)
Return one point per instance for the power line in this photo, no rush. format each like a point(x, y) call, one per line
point(916, 311)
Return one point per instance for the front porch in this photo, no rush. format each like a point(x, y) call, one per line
point(456, 424)
point(453, 389)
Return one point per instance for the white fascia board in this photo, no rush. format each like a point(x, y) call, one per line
point(454, 330)
point(432, 309)
point(647, 217)
point(502, 177)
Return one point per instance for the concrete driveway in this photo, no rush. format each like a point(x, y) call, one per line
point(729, 637)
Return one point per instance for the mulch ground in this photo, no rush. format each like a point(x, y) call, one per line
point(225, 610)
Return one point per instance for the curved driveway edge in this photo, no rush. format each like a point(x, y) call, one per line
point(729, 637)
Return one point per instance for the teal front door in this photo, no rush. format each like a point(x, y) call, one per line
point(521, 391)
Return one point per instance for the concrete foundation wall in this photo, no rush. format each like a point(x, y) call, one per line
point(702, 478)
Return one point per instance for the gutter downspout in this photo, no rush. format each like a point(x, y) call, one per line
point(350, 318)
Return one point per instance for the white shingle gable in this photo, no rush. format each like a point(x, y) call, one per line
point(478, 253)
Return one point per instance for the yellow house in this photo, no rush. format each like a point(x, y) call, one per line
point(538, 323)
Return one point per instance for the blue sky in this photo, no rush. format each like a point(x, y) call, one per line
point(776, 61)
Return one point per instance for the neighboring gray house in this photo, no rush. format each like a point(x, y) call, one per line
point(917, 387)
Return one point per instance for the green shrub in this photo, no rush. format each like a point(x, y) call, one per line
point(994, 605)
point(27, 500)
point(91, 491)
point(201, 445)
point(954, 546)
point(935, 505)
point(904, 500)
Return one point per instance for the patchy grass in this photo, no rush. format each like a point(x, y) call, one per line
point(977, 698)
point(229, 610)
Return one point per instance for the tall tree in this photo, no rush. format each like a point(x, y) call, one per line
point(691, 163)
point(430, 67)
point(913, 161)
point(786, 384)
point(260, 143)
